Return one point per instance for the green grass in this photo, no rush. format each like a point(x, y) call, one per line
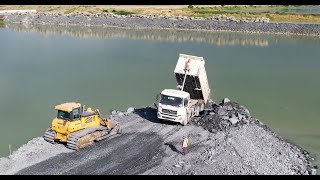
point(275, 17)
point(251, 7)
point(1, 20)
point(232, 8)
point(1, 23)
point(69, 11)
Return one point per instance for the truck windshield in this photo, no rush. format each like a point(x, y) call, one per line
point(63, 115)
point(169, 100)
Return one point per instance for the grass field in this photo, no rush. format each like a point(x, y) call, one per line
point(1, 21)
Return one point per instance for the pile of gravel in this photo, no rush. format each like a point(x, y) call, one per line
point(223, 116)
point(235, 121)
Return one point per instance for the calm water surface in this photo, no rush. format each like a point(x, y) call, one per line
point(276, 77)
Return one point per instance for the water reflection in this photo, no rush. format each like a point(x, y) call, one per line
point(217, 38)
point(278, 82)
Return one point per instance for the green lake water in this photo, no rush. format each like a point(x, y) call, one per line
point(275, 76)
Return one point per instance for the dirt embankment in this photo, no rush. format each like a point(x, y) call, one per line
point(226, 140)
point(218, 23)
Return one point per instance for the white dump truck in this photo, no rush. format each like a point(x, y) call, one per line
point(191, 95)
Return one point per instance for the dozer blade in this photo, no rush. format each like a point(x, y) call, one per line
point(114, 131)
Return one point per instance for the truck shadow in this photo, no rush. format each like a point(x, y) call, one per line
point(150, 114)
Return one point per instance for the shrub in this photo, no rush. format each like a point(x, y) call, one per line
point(121, 12)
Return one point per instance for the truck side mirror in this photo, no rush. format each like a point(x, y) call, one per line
point(185, 103)
point(157, 100)
point(155, 105)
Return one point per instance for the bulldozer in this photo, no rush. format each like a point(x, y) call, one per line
point(78, 127)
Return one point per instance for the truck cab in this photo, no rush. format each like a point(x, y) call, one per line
point(173, 105)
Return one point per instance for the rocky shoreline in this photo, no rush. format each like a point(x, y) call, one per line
point(215, 23)
point(224, 140)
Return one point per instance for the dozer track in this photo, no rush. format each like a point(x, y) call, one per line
point(49, 136)
point(85, 137)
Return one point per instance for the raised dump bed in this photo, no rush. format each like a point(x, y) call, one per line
point(196, 83)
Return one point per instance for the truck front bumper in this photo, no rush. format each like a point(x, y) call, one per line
point(169, 117)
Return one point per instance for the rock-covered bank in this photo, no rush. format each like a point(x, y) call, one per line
point(224, 140)
point(216, 23)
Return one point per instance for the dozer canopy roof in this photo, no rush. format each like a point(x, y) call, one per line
point(68, 106)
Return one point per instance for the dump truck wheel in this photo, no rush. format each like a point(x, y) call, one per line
point(185, 121)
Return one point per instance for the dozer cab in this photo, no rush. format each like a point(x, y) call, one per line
point(78, 127)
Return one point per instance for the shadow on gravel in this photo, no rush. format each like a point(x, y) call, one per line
point(125, 154)
point(173, 148)
point(150, 114)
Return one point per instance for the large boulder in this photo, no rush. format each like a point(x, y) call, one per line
point(246, 111)
point(233, 120)
point(241, 117)
point(130, 110)
point(222, 111)
point(228, 106)
point(225, 100)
